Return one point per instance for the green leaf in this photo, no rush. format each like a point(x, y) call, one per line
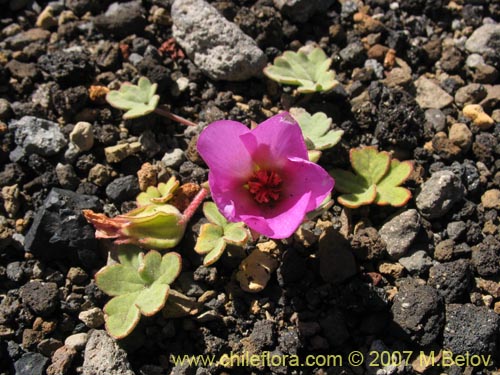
point(160, 194)
point(376, 181)
point(130, 256)
point(214, 255)
point(316, 128)
point(211, 235)
point(121, 315)
point(235, 234)
point(117, 279)
point(139, 286)
point(313, 155)
point(355, 200)
point(152, 299)
point(308, 70)
point(138, 100)
point(370, 164)
point(213, 215)
point(170, 268)
point(388, 191)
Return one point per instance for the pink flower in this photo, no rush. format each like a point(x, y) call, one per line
point(263, 176)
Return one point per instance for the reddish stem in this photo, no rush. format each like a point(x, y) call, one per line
point(166, 113)
point(193, 206)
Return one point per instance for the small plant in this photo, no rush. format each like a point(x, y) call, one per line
point(139, 284)
point(216, 235)
point(140, 100)
point(316, 131)
point(307, 69)
point(377, 179)
point(158, 195)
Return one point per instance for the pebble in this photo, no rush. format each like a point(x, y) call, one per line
point(481, 39)
point(439, 193)
point(456, 230)
point(479, 118)
point(77, 276)
point(470, 94)
point(66, 176)
point(41, 298)
point(48, 346)
point(61, 360)
point(485, 258)
point(471, 330)
point(77, 341)
point(216, 46)
point(444, 250)
point(453, 280)
point(491, 199)
point(81, 136)
point(418, 310)
point(122, 19)
point(460, 135)
point(20, 40)
point(394, 270)
point(93, 318)
point(100, 174)
point(123, 188)
point(436, 118)
point(69, 67)
point(46, 19)
point(431, 95)
point(301, 10)
point(104, 356)
point(22, 70)
point(39, 136)
point(400, 232)
point(117, 153)
point(31, 364)
point(417, 263)
point(174, 158)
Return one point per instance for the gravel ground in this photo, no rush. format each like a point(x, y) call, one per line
point(419, 78)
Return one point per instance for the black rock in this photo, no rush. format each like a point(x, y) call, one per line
point(262, 336)
point(31, 364)
point(41, 298)
point(334, 328)
point(68, 68)
point(80, 7)
point(69, 102)
point(400, 120)
point(354, 54)
point(122, 19)
point(292, 268)
point(471, 330)
point(453, 280)
point(418, 312)
point(123, 188)
point(485, 258)
point(59, 230)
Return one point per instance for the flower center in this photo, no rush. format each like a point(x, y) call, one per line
point(265, 186)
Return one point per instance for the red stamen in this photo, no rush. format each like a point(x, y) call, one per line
point(265, 186)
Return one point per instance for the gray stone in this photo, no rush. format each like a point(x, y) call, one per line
point(123, 188)
point(174, 158)
point(39, 136)
point(439, 193)
point(218, 47)
point(122, 19)
point(453, 280)
point(5, 110)
point(418, 311)
point(92, 318)
point(66, 176)
point(31, 364)
point(436, 119)
point(81, 136)
point(301, 10)
point(104, 356)
point(41, 298)
point(471, 330)
point(77, 341)
point(470, 94)
point(431, 95)
point(474, 60)
point(400, 232)
point(455, 230)
point(480, 40)
point(417, 263)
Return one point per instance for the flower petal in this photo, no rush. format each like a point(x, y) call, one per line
point(302, 177)
point(274, 140)
point(221, 148)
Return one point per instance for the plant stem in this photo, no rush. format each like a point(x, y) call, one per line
point(166, 113)
point(193, 206)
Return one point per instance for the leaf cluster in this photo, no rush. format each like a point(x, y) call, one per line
point(139, 284)
point(307, 69)
point(217, 234)
point(137, 100)
point(158, 195)
point(376, 180)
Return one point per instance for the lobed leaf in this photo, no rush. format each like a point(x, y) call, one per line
point(211, 235)
point(213, 215)
point(118, 279)
point(308, 70)
point(370, 164)
point(316, 128)
point(235, 234)
point(170, 268)
point(388, 191)
point(137, 100)
point(121, 315)
point(152, 299)
point(160, 194)
point(354, 200)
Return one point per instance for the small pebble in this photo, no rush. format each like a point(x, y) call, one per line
point(81, 136)
point(93, 318)
point(479, 118)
